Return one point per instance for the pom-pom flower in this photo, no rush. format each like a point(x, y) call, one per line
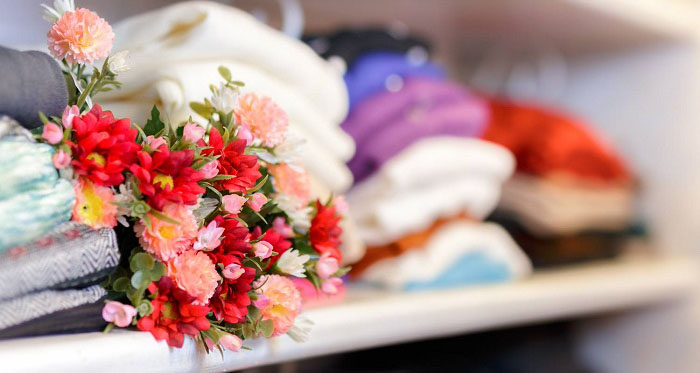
point(291, 181)
point(194, 273)
point(103, 146)
point(164, 239)
point(80, 36)
point(262, 117)
point(118, 313)
point(93, 204)
point(282, 301)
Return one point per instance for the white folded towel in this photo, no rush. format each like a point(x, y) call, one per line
point(548, 208)
point(205, 31)
point(443, 249)
point(433, 178)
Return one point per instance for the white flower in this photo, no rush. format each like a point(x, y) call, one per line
point(59, 7)
point(291, 263)
point(123, 199)
point(299, 216)
point(119, 62)
point(301, 331)
point(224, 98)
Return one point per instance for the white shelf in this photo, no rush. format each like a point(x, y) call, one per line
point(373, 318)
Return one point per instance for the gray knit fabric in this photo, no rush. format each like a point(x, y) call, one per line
point(30, 82)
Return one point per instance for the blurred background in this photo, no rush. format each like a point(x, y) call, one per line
point(597, 104)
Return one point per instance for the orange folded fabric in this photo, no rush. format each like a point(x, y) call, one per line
point(545, 142)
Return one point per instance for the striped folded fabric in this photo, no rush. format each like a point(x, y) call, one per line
point(71, 255)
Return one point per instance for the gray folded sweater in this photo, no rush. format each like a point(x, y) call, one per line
point(30, 82)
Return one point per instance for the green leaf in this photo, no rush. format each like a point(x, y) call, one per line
point(158, 271)
point(43, 118)
point(225, 73)
point(121, 284)
point(202, 109)
point(221, 177)
point(267, 328)
point(141, 261)
point(259, 185)
point(154, 124)
point(139, 280)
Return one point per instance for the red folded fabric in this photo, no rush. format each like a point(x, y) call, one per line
point(545, 143)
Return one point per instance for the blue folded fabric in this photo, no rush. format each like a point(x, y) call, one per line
point(33, 199)
point(374, 72)
point(471, 269)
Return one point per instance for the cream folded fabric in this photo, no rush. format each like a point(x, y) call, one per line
point(205, 31)
point(444, 249)
point(548, 208)
point(433, 178)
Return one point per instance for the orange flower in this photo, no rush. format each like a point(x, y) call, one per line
point(167, 240)
point(262, 117)
point(93, 204)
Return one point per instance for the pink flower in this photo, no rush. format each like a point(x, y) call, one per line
point(332, 285)
point(291, 181)
point(120, 314)
point(231, 342)
point(209, 237)
point(52, 133)
point(80, 36)
point(166, 240)
point(280, 226)
point(233, 271)
point(69, 113)
point(210, 169)
point(326, 265)
point(262, 117)
point(155, 142)
point(233, 203)
point(341, 205)
point(193, 132)
point(93, 204)
point(262, 249)
point(245, 134)
point(257, 201)
point(60, 159)
point(195, 273)
point(284, 302)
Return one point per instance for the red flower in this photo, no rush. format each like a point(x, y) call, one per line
point(173, 314)
point(103, 147)
point(324, 233)
point(278, 242)
point(168, 176)
point(233, 161)
point(231, 299)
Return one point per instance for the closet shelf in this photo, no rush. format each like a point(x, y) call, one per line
point(371, 318)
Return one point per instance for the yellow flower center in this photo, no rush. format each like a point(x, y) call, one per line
point(97, 158)
point(167, 231)
point(91, 210)
point(166, 181)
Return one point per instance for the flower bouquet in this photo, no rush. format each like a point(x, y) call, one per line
point(219, 214)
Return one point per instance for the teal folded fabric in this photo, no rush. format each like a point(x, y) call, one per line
point(33, 199)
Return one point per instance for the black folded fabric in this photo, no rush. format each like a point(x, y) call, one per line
point(30, 82)
point(562, 250)
point(349, 44)
point(81, 319)
point(71, 255)
point(31, 307)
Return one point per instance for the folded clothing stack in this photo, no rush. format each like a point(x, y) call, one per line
point(195, 38)
point(50, 284)
point(423, 177)
point(33, 199)
point(572, 197)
